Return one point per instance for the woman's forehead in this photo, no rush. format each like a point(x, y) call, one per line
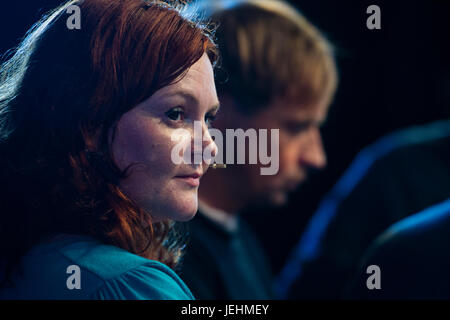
point(196, 84)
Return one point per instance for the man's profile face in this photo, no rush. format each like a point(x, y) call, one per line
point(300, 149)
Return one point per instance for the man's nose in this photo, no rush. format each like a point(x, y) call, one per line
point(314, 154)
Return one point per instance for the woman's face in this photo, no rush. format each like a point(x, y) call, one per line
point(144, 138)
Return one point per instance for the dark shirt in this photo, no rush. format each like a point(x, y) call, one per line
point(222, 264)
point(413, 257)
point(399, 175)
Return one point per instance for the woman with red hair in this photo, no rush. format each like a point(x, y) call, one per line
point(89, 194)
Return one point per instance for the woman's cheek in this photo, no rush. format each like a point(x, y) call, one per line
point(181, 147)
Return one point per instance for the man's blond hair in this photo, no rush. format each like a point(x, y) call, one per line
point(271, 51)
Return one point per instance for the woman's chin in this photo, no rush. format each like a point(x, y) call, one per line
point(180, 208)
point(179, 216)
point(186, 216)
point(185, 210)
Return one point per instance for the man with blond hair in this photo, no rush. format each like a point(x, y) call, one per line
point(280, 74)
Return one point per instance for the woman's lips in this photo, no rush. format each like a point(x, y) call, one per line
point(193, 181)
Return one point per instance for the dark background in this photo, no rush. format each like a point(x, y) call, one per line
point(389, 79)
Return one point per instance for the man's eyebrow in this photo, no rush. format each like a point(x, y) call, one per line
point(317, 122)
point(303, 124)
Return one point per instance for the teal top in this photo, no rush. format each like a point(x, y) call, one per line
point(80, 267)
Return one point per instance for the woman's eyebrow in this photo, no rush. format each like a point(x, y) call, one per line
point(191, 97)
point(188, 95)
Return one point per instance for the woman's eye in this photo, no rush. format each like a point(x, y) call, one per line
point(175, 114)
point(209, 119)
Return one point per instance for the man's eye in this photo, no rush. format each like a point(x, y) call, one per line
point(175, 114)
point(296, 128)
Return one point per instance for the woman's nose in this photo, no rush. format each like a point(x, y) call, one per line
point(209, 145)
point(203, 147)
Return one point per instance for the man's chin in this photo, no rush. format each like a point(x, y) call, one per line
point(278, 199)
